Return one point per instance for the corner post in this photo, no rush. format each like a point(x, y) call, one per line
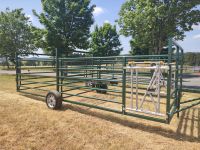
point(181, 57)
point(169, 80)
point(177, 88)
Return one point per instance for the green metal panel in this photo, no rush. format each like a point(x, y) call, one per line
point(71, 75)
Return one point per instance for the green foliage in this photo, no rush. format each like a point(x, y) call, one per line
point(192, 59)
point(67, 24)
point(15, 34)
point(137, 50)
point(105, 41)
point(151, 22)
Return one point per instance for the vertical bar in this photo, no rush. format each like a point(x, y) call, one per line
point(62, 74)
point(113, 68)
point(136, 88)
point(86, 71)
point(17, 72)
point(181, 80)
point(181, 76)
point(57, 72)
point(131, 88)
point(176, 77)
point(169, 51)
point(124, 87)
point(159, 78)
point(99, 68)
point(169, 79)
point(92, 67)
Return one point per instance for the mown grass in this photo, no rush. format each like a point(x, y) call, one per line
point(7, 83)
point(26, 123)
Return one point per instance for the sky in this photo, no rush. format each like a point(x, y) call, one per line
point(105, 11)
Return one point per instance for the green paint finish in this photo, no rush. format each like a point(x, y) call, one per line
point(73, 74)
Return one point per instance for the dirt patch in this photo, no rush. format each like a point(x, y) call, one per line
point(27, 124)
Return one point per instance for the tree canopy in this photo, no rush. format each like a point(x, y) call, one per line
point(192, 59)
point(105, 41)
point(15, 34)
point(151, 22)
point(67, 24)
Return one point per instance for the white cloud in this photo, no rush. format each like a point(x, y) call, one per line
point(196, 27)
point(106, 21)
point(196, 36)
point(30, 17)
point(98, 11)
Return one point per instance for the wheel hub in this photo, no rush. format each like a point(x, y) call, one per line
point(51, 101)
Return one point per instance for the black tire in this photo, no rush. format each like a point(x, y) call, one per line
point(102, 86)
point(114, 82)
point(54, 100)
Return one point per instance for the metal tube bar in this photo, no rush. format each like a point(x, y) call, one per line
point(124, 88)
point(185, 108)
point(169, 78)
point(131, 88)
point(57, 71)
point(191, 100)
point(137, 99)
point(105, 100)
point(32, 94)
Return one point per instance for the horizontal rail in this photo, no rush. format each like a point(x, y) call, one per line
point(30, 73)
point(115, 57)
point(32, 94)
point(85, 87)
point(191, 100)
point(36, 87)
point(100, 99)
point(117, 111)
point(92, 106)
point(187, 107)
point(191, 90)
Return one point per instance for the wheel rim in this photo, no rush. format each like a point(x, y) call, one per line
point(51, 101)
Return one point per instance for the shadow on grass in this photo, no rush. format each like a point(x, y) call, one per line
point(176, 135)
point(187, 120)
point(179, 134)
point(42, 99)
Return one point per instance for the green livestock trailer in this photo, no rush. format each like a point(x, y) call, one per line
point(145, 86)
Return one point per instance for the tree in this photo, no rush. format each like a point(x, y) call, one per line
point(138, 49)
point(150, 23)
point(15, 34)
point(192, 59)
point(105, 41)
point(67, 24)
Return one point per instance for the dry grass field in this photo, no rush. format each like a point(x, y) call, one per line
point(26, 123)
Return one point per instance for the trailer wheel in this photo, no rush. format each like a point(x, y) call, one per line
point(114, 82)
point(54, 100)
point(102, 86)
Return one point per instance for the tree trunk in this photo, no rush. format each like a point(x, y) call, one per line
point(160, 47)
point(7, 63)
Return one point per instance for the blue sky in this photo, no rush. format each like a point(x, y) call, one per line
point(105, 11)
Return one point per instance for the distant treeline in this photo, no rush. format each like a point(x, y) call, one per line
point(192, 59)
